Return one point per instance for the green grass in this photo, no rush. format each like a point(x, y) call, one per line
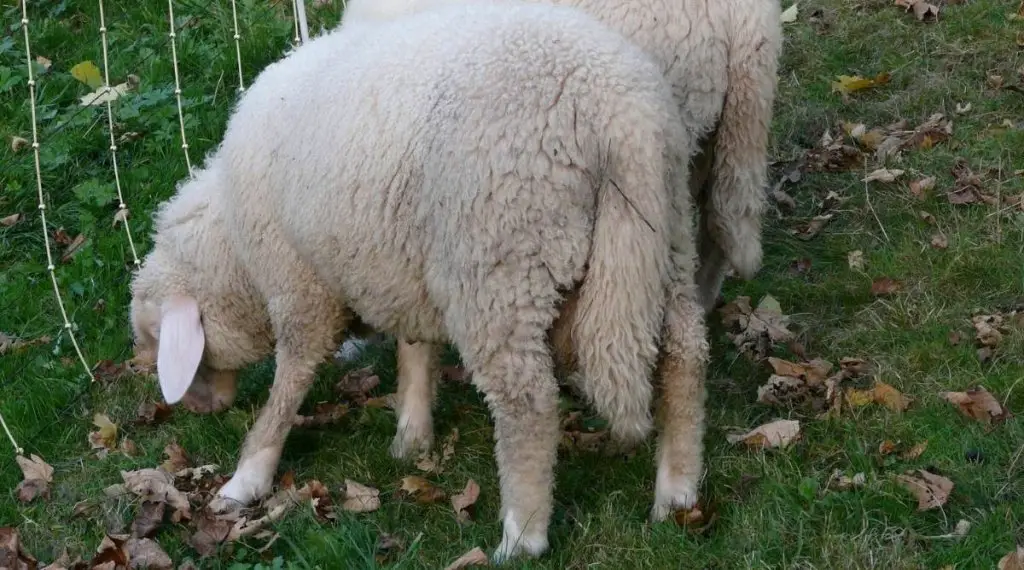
point(774, 509)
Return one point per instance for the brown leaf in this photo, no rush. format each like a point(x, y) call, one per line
point(918, 188)
point(110, 553)
point(8, 221)
point(784, 200)
point(813, 228)
point(146, 554)
point(883, 175)
point(813, 372)
point(914, 452)
point(844, 483)
point(12, 344)
point(18, 143)
point(73, 248)
point(927, 217)
point(779, 433)
point(696, 520)
point(360, 498)
point(986, 330)
point(979, 404)
point(431, 462)
point(932, 491)
point(887, 447)
point(884, 286)
point(151, 413)
point(756, 330)
point(210, 532)
point(12, 555)
point(129, 448)
point(37, 478)
point(176, 458)
point(1013, 560)
point(320, 499)
point(423, 491)
point(357, 384)
point(800, 266)
point(108, 370)
point(157, 485)
point(149, 518)
point(882, 394)
point(324, 413)
point(105, 438)
point(475, 557)
point(464, 502)
point(955, 337)
point(939, 241)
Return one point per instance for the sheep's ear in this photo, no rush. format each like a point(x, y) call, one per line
point(181, 346)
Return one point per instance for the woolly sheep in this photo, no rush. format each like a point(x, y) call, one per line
point(446, 177)
point(721, 59)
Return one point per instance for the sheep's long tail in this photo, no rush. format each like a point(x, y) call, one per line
point(617, 318)
point(740, 162)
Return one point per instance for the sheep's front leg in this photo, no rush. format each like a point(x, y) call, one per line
point(417, 386)
point(681, 408)
point(261, 451)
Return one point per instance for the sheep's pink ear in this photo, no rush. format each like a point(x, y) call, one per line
point(181, 347)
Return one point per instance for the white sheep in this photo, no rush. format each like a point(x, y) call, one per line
point(445, 177)
point(721, 59)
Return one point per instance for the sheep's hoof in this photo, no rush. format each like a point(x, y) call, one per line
point(669, 498)
point(515, 542)
point(409, 445)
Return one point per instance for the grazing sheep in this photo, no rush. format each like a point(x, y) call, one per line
point(721, 59)
point(444, 177)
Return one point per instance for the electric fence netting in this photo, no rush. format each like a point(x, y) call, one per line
point(106, 95)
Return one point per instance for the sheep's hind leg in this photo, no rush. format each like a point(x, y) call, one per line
point(417, 386)
point(305, 336)
point(681, 408)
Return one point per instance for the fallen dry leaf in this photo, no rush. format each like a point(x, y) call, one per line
point(887, 447)
point(883, 175)
point(918, 188)
point(800, 266)
point(121, 216)
point(844, 483)
point(932, 491)
point(939, 241)
point(914, 452)
point(464, 502)
point(150, 413)
point(324, 413)
point(882, 394)
point(37, 478)
point(978, 403)
point(756, 330)
point(832, 155)
point(884, 286)
point(968, 186)
point(356, 385)
point(846, 84)
point(13, 344)
point(146, 554)
point(588, 441)
point(779, 433)
point(789, 14)
point(148, 519)
point(855, 259)
point(177, 459)
point(432, 462)
point(105, 438)
point(1013, 560)
point(922, 10)
point(475, 557)
point(421, 490)
point(793, 383)
point(12, 555)
point(8, 221)
point(360, 498)
point(812, 228)
point(18, 143)
point(110, 554)
point(72, 248)
point(456, 374)
point(157, 485)
point(898, 137)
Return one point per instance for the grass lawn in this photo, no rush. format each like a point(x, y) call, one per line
point(775, 508)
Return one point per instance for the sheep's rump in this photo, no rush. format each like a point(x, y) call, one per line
point(393, 155)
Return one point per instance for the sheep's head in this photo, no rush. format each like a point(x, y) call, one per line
point(193, 312)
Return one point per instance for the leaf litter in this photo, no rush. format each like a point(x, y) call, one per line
point(978, 403)
point(931, 490)
point(37, 478)
point(756, 331)
point(463, 503)
point(779, 433)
